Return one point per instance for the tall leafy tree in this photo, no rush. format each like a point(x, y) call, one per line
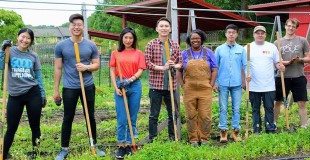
point(10, 23)
point(108, 23)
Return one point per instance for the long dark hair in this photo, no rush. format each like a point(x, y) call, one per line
point(29, 31)
point(121, 45)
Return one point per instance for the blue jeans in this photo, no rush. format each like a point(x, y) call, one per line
point(236, 97)
point(133, 93)
point(268, 103)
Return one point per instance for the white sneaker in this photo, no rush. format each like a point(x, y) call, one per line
point(275, 123)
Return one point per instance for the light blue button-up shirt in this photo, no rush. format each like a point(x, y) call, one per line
point(231, 61)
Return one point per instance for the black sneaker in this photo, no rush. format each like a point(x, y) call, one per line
point(150, 141)
point(121, 152)
point(33, 155)
point(171, 138)
point(128, 150)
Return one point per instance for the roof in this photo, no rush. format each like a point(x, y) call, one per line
point(278, 6)
point(105, 35)
point(203, 24)
point(52, 32)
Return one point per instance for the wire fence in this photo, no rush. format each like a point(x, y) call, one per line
point(46, 55)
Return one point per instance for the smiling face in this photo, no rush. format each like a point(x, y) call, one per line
point(259, 37)
point(163, 28)
point(76, 27)
point(24, 41)
point(290, 28)
point(195, 41)
point(128, 40)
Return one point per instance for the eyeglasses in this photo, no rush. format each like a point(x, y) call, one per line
point(290, 26)
point(231, 32)
point(193, 39)
point(76, 24)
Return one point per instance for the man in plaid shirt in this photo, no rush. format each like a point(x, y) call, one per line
point(158, 65)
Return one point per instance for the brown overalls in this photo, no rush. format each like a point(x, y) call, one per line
point(197, 98)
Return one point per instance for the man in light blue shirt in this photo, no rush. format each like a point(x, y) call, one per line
point(231, 59)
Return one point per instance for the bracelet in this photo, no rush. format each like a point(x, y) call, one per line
point(135, 77)
point(302, 60)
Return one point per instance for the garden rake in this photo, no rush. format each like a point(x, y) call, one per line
point(283, 84)
point(171, 94)
point(91, 140)
point(247, 92)
point(5, 82)
point(125, 99)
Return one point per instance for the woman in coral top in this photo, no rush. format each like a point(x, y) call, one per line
point(132, 64)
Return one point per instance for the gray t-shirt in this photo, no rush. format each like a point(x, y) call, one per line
point(65, 50)
point(21, 69)
point(291, 48)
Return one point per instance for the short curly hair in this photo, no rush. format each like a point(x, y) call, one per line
point(201, 34)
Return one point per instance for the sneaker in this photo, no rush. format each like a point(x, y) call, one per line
point(275, 124)
point(204, 143)
point(121, 152)
point(33, 156)
point(128, 150)
point(194, 144)
point(150, 141)
point(62, 154)
point(303, 126)
point(171, 138)
point(99, 152)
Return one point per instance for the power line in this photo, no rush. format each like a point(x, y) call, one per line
point(48, 9)
point(148, 7)
point(41, 2)
point(87, 4)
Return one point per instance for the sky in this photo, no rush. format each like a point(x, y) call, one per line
point(46, 17)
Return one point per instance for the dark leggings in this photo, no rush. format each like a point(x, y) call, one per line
point(15, 107)
point(70, 99)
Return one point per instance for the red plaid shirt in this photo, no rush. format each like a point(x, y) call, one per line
point(153, 57)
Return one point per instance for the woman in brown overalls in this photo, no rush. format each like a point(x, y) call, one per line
point(197, 79)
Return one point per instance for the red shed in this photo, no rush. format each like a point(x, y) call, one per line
point(288, 6)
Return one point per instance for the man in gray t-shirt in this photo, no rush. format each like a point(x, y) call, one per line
point(295, 52)
point(67, 66)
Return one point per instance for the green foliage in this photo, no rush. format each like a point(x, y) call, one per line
point(10, 23)
point(108, 23)
point(262, 146)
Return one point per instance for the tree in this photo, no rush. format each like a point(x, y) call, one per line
point(10, 23)
point(108, 23)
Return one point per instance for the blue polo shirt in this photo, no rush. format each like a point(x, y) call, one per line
point(231, 61)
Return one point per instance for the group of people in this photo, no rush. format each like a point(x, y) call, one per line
point(198, 70)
